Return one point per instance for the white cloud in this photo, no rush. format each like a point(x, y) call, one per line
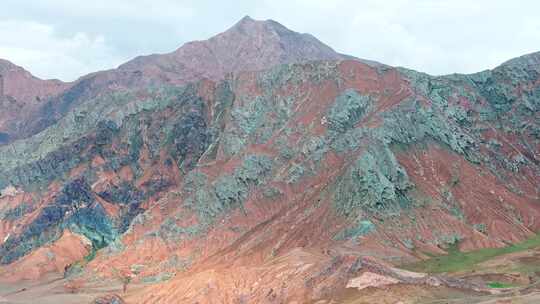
point(37, 47)
point(437, 37)
point(68, 38)
point(151, 11)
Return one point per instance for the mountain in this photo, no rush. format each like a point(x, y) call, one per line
point(20, 86)
point(21, 94)
point(248, 45)
point(260, 166)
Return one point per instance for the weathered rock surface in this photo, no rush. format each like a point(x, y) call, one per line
point(21, 96)
point(288, 173)
point(109, 299)
point(250, 45)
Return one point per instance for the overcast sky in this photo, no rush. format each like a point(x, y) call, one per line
point(66, 39)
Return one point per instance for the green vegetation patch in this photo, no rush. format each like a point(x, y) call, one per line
point(456, 260)
point(499, 285)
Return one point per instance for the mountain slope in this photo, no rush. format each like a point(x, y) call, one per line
point(248, 45)
point(20, 95)
point(300, 176)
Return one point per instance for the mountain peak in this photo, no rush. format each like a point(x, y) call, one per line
point(248, 23)
point(247, 46)
point(246, 20)
point(253, 27)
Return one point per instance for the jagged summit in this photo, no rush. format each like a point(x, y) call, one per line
point(248, 45)
point(245, 21)
point(300, 177)
point(248, 25)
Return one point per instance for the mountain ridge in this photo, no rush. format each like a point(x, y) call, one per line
point(244, 42)
point(302, 177)
point(211, 59)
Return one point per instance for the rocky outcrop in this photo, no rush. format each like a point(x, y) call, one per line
point(21, 96)
point(245, 168)
point(109, 299)
point(249, 45)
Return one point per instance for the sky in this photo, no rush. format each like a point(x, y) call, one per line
point(66, 39)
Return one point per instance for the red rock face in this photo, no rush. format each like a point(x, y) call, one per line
point(25, 88)
point(269, 181)
point(21, 94)
point(275, 228)
point(481, 195)
point(51, 259)
point(248, 46)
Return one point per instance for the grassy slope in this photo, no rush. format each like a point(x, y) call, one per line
point(460, 261)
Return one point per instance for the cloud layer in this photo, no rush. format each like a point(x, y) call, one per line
point(66, 38)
